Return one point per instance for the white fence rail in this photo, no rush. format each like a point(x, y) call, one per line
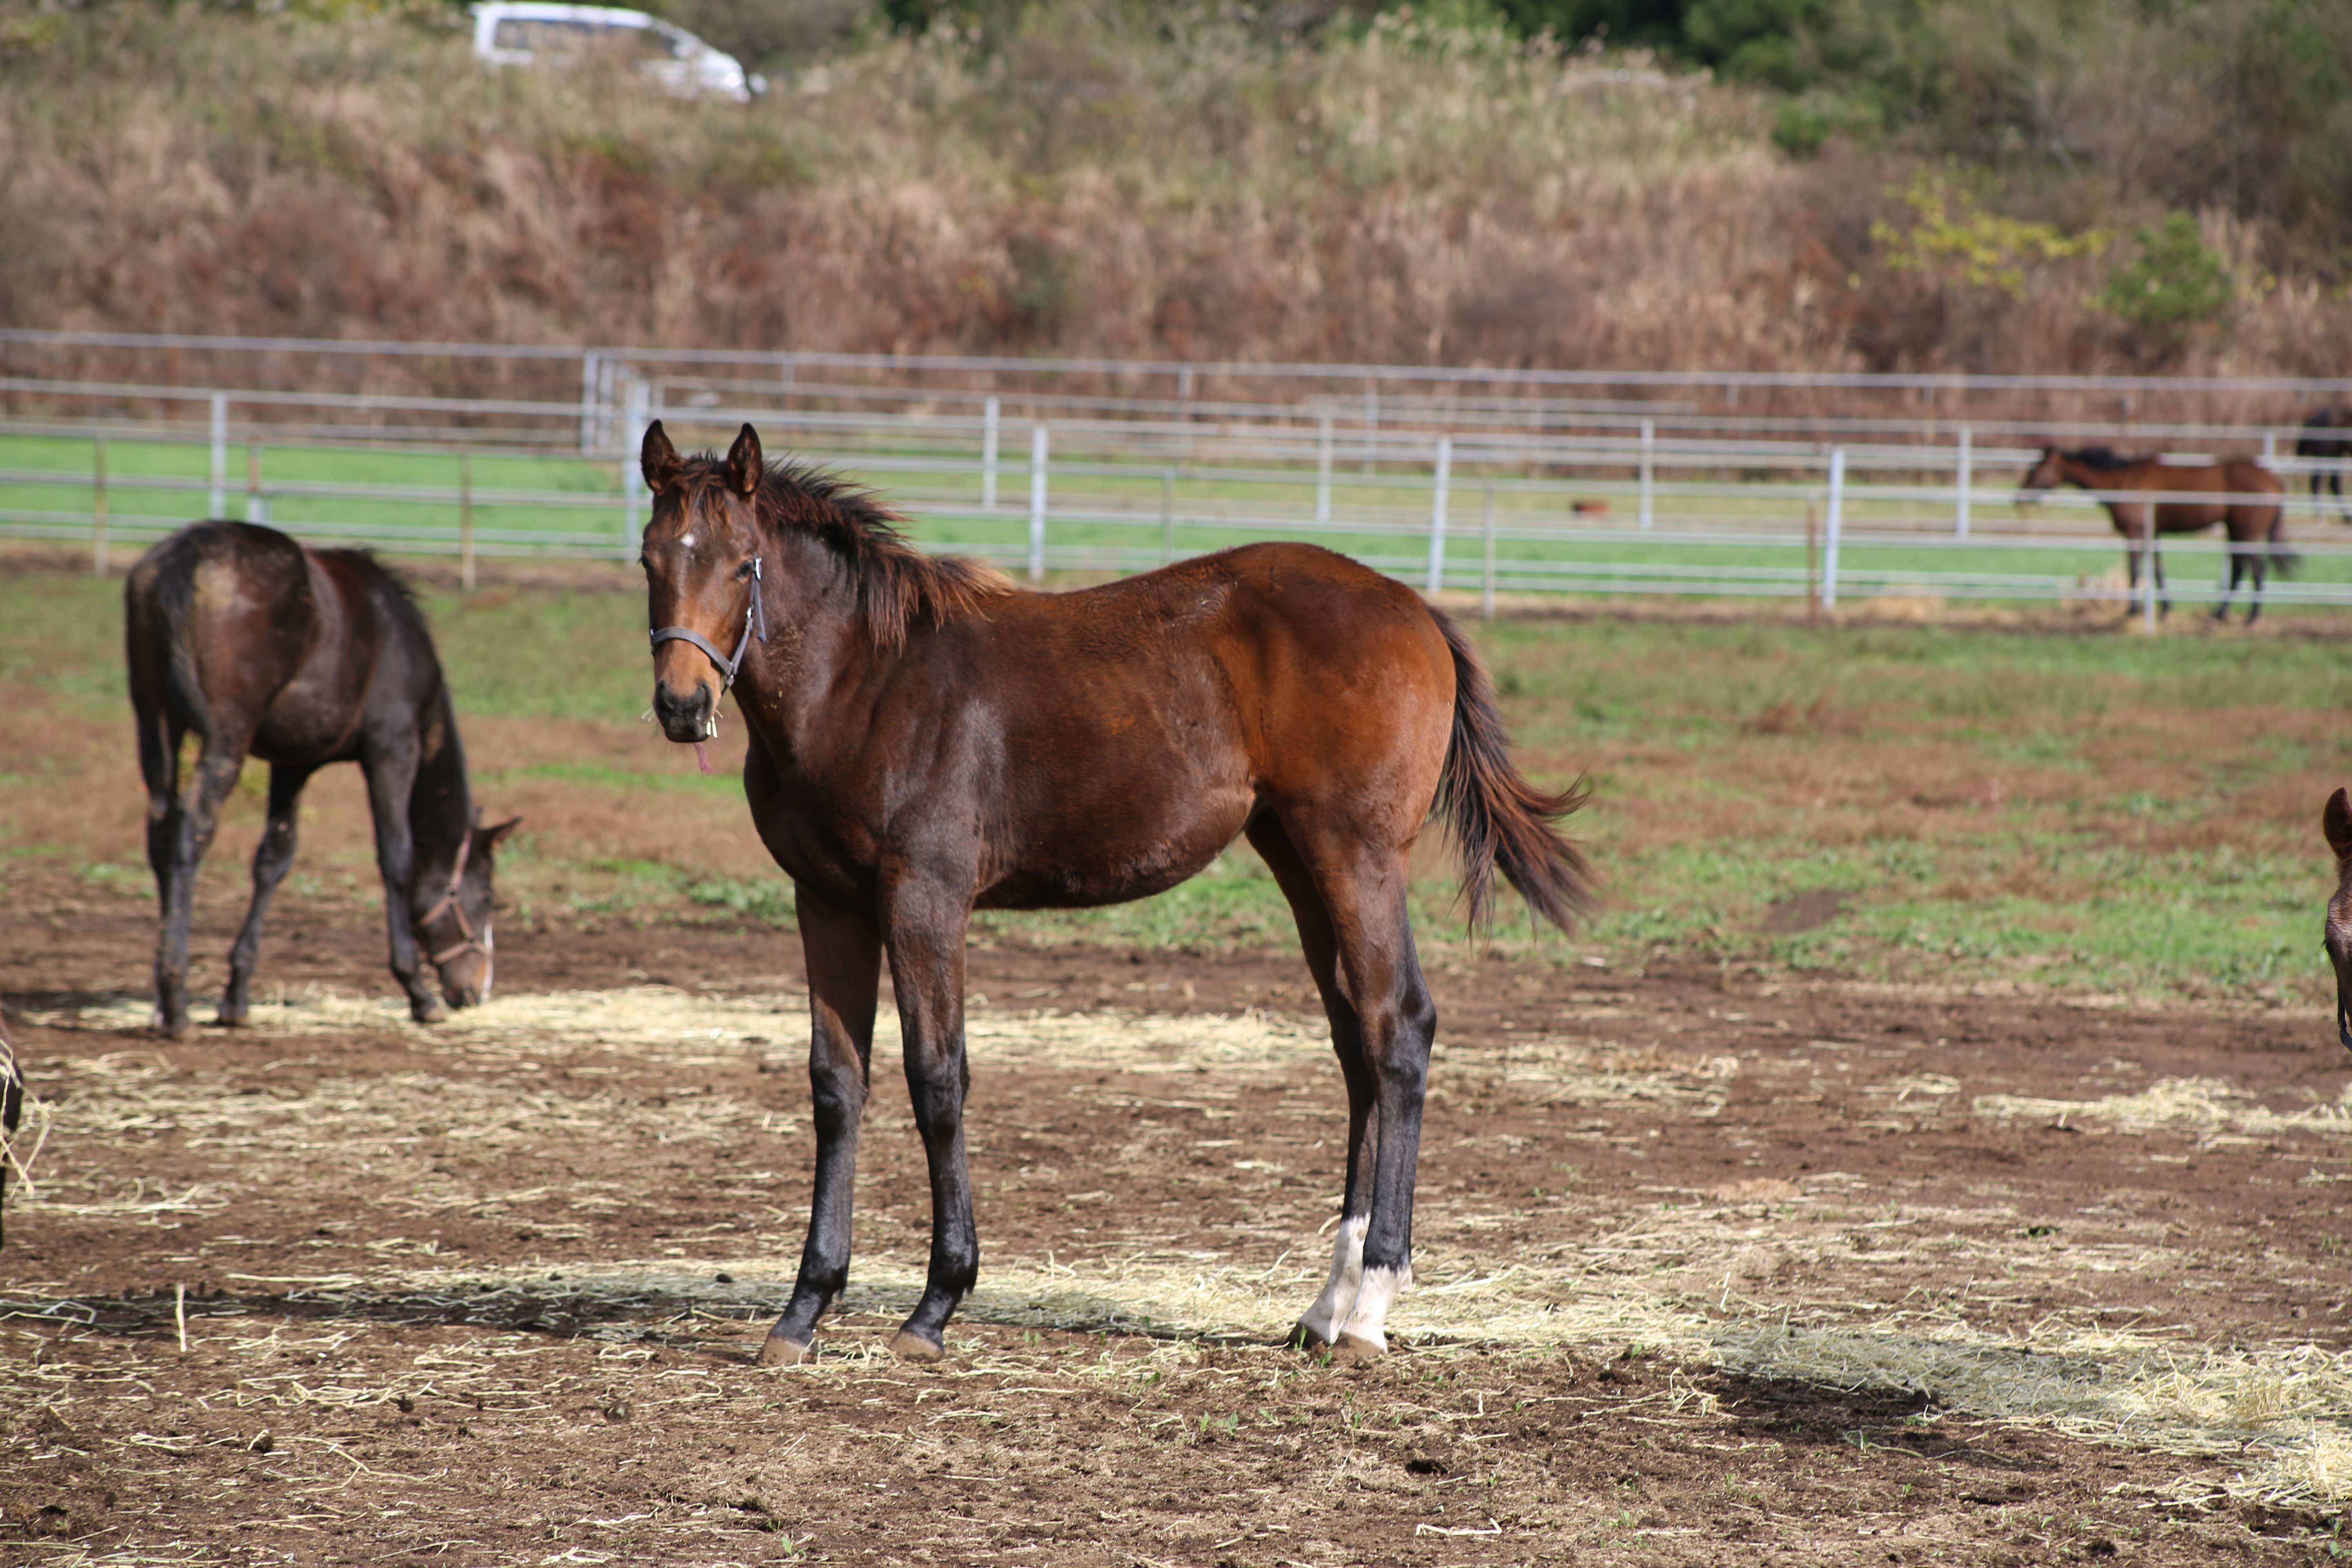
point(1835, 504)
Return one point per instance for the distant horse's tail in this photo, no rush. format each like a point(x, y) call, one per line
point(2283, 560)
point(1498, 819)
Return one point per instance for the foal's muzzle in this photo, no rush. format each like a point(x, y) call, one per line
point(687, 719)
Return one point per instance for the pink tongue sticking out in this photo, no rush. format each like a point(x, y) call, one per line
point(701, 756)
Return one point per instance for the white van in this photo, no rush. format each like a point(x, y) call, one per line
point(528, 32)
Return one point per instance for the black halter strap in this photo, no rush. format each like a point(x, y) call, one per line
point(755, 624)
point(467, 942)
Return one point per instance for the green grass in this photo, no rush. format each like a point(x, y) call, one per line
point(2153, 830)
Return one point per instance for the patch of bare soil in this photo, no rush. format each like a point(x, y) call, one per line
point(1706, 1265)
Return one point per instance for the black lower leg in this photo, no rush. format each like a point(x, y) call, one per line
point(271, 860)
point(938, 1087)
point(838, 1104)
point(186, 829)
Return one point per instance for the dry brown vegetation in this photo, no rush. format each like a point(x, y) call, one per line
point(1413, 194)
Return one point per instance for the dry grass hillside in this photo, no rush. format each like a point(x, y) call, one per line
point(1412, 193)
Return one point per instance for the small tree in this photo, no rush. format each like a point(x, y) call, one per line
point(2171, 287)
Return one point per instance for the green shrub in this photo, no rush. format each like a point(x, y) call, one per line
point(767, 899)
point(2172, 287)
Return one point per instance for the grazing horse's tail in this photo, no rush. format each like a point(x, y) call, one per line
point(1498, 819)
point(166, 687)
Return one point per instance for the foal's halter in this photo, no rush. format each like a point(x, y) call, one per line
point(755, 624)
point(468, 940)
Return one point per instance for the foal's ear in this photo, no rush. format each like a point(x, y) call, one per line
point(499, 834)
point(2337, 823)
point(744, 467)
point(659, 459)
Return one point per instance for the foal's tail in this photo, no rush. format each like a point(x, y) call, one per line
point(1498, 819)
point(166, 688)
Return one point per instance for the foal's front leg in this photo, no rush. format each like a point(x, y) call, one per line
point(925, 931)
point(391, 773)
point(844, 952)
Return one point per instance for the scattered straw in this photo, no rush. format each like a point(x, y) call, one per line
point(1674, 1277)
point(2207, 1105)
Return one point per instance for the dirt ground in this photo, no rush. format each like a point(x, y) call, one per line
point(1708, 1263)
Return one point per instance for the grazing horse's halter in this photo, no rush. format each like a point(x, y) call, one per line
point(755, 624)
point(467, 942)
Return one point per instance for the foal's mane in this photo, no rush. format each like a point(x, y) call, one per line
point(898, 584)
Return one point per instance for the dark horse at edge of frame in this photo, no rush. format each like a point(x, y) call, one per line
point(243, 643)
point(926, 739)
point(2326, 435)
point(12, 1114)
point(2237, 492)
point(2335, 934)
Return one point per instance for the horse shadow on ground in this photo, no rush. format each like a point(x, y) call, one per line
point(1786, 1411)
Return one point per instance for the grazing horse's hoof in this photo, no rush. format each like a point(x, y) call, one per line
point(778, 1351)
point(908, 1345)
point(1303, 1337)
point(1354, 1349)
point(427, 1012)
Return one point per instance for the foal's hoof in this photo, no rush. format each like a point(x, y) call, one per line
point(1353, 1350)
point(778, 1351)
point(1303, 1337)
point(427, 1012)
point(908, 1345)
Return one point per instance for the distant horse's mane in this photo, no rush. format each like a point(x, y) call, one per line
point(2105, 458)
point(898, 584)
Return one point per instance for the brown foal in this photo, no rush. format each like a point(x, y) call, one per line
point(926, 739)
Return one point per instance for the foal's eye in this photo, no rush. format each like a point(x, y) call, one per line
point(645, 564)
point(743, 572)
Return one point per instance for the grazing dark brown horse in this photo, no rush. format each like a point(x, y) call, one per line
point(2243, 495)
point(2335, 823)
point(926, 739)
point(2326, 435)
point(242, 643)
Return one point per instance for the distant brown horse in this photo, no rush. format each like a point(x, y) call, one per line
point(242, 643)
point(2245, 497)
point(2326, 435)
point(926, 739)
point(2335, 825)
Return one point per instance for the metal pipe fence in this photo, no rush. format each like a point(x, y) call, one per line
point(1120, 484)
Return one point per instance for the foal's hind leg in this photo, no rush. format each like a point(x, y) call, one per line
point(270, 859)
point(844, 953)
point(1319, 1325)
point(2238, 565)
point(1361, 890)
point(181, 820)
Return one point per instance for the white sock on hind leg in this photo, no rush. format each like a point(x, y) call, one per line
point(1377, 1289)
point(1339, 1297)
